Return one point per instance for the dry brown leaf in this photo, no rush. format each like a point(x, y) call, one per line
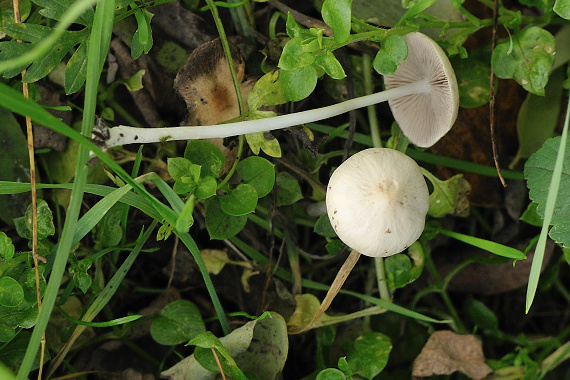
point(446, 352)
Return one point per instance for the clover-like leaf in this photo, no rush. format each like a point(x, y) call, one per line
point(448, 197)
point(527, 59)
point(239, 201)
point(299, 83)
point(393, 51)
point(267, 91)
point(562, 8)
point(177, 323)
point(331, 65)
point(369, 354)
point(219, 224)
point(259, 173)
point(207, 155)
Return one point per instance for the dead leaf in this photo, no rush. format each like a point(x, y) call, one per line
point(446, 352)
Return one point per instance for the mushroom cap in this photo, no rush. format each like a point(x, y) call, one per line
point(377, 201)
point(425, 118)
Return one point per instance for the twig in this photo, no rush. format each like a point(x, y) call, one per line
point(492, 96)
point(32, 160)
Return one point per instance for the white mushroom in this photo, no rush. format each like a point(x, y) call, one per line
point(424, 117)
point(377, 201)
point(422, 94)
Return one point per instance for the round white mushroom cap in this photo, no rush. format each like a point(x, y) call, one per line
point(425, 117)
point(377, 201)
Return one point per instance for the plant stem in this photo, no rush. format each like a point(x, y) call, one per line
point(123, 135)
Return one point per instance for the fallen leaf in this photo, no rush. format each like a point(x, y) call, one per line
point(446, 352)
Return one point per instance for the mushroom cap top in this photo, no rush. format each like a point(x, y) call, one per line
point(377, 201)
point(426, 117)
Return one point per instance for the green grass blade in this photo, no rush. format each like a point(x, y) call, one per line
point(487, 245)
point(103, 297)
point(286, 275)
point(548, 213)
point(102, 26)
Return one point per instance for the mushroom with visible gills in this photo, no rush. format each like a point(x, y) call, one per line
point(422, 94)
point(377, 202)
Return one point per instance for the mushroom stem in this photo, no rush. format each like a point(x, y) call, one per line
point(123, 135)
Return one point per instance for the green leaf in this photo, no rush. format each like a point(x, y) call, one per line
point(185, 219)
point(265, 141)
point(142, 39)
point(76, 70)
point(293, 57)
point(331, 65)
point(207, 155)
point(259, 173)
point(562, 8)
point(538, 116)
point(473, 82)
point(538, 172)
point(258, 348)
point(448, 197)
point(337, 14)
point(207, 341)
point(239, 201)
point(10, 50)
point(293, 29)
point(323, 227)
point(330, 374)
point(45, 222)
point(267, 91)
point(288, 189)
point(369, 354)
point(392, 52)
point(7, 12)
point(531, 216)
point(416, 8)
point(15, 165)
point(177, 323)
point(206, 188)
point(179, 167)
point(108, 232)
point(219, 224)
point(7, 249)
point(528, 59)
point(54, 9)
point(403, 269)
point(299, 83)
point(480, 314)
point(11, 292)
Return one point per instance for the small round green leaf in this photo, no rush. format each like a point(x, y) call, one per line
point(331, 65)
point(337, 14)
point(207, 155)
point(393, 51)
point(11, 292)
point(288, 189)
point(259, 173)
point(239, 201)
point(177, 323)
point(7, 249)
point(219, 224)
point(206, 188)
point(330, 374)
point(293, 56)
point(369, 354)
point(299, 83)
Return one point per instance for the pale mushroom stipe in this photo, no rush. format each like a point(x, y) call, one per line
point(377, 202)
point(422, 94)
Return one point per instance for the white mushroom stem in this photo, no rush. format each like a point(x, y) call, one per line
point(124, 135)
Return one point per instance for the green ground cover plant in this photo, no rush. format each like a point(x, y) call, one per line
point(204, 259)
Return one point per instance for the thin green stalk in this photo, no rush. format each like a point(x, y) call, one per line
point(99, 42)
point(548, 214)
point(227, 52)
point(443, 292)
